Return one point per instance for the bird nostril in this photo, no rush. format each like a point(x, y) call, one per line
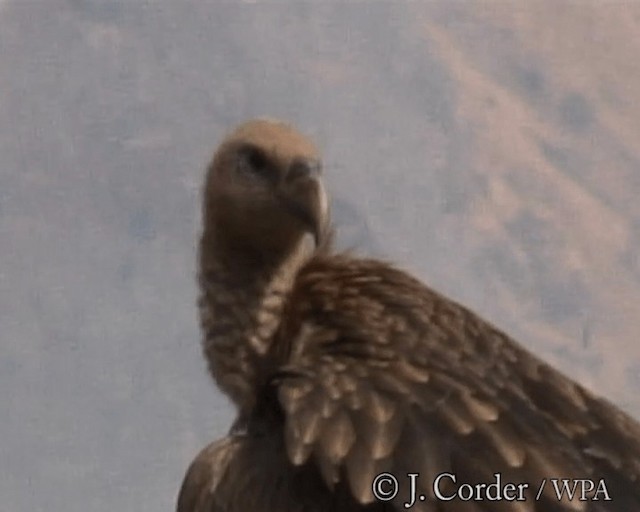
point(303, 168)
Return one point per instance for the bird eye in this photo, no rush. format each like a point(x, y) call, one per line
point(252, 160)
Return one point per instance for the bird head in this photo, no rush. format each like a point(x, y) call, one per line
point(263, 191)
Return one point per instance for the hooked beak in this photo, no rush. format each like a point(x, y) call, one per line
point(306, 200)
point(309, 206)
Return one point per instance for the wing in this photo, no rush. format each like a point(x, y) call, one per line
point(205, 474)
point(385, 375)
point(251, 471)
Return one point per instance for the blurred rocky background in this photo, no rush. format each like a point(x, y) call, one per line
point(491, 147)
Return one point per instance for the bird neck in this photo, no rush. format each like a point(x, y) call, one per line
point(242, 298)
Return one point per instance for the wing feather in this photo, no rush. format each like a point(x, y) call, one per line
point(398, 378)
point(205, 474)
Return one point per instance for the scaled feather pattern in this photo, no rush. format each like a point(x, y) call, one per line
point(344, 368)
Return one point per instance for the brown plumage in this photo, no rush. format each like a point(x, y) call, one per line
point(343, 368)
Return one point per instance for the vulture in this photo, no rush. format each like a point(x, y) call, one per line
point(357, 387)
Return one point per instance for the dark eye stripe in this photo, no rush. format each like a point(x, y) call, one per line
point(252, 159)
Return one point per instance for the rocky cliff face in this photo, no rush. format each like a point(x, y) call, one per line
point(547, 91)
